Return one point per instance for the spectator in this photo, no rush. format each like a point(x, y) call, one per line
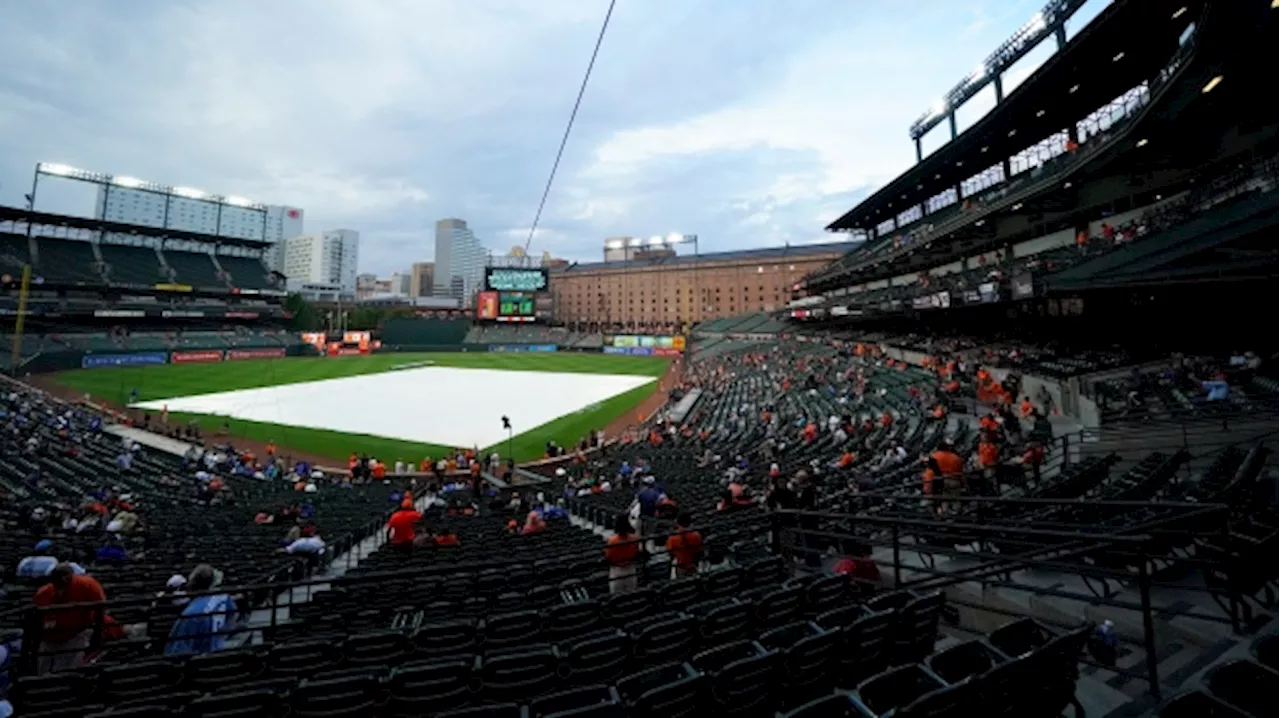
point(533, 523)
point(400, 528)
point(42, 562)
point(66, 633)
point(858, 566)
point(111, 551)
point(202, 626)
point(446, 537)
point(622, 551)
point(684, 547)
point(173, 589)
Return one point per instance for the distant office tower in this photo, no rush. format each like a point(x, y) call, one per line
point(460, 261)
point(400, 283)
point(325, 258)
point(422, 279)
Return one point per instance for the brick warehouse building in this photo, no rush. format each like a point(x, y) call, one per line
point(663, 290)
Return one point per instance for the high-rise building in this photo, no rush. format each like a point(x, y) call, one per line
point(422, 279)
point(400, 282)
point(366, 285)
point(459, 257)
point(325, 258)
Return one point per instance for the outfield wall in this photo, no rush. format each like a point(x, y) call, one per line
point(47, 362)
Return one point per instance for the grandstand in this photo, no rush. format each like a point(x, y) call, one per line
point(1050, 495)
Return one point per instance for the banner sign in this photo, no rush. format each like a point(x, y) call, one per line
point(315, 339)
point(173, 313)
point(93, 361)
point(522, 348)
point(666, 352)
point(242, 315)
point(640, 351)
point(264, 353)
point(199, 356)
point(629, 341)
point(119, 313)
point(172, 287)
point(615, 350)
point(487, 305)
point(336, 349)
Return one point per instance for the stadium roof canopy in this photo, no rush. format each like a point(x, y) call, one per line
point(743, 255)
point(16, 214)
point(1128, 43)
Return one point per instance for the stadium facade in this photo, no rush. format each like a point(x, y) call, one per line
point(685, 289)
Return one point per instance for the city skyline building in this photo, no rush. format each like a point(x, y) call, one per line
point(459, 262)
point(329, 257)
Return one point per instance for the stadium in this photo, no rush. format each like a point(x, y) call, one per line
point(1009, 448)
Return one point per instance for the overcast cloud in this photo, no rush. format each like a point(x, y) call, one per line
point(748, 122)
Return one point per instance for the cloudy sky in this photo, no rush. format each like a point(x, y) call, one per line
point(748, 122)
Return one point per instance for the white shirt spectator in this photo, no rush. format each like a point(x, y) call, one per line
point(41, 566)
point(312, 545)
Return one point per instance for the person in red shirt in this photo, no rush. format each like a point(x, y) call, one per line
point(684, 547)
point(446, 537)
point(857, 564)
point(66, 634)
point(400, 528)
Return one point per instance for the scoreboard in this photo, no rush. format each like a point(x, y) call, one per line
point(515, 304)
point(502, 279)
point(506, 306)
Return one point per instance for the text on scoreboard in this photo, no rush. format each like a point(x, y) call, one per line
point(499, 279)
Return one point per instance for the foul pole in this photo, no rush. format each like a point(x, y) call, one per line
point(16, 360)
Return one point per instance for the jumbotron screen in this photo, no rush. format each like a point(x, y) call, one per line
point(500, 279)
point(516, 307)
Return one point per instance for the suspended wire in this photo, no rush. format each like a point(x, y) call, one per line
point(582, 90)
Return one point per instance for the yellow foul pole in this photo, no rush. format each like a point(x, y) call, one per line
point(16, 360)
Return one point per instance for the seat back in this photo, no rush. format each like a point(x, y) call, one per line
point(580, 702)
point(597, 657)
point(238, 704)
point(673, 689)
point(895, 688)
point(1246, 685)
point(1197, 704)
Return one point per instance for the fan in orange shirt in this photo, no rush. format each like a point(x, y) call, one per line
point(621, 551)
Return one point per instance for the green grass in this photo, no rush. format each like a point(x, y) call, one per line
point(114, 384)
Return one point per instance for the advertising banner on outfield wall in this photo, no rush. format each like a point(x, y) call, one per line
point(264, 353)
point(666, 352)
point(521, 348)
point(616, 350)
point(198, 356)
point(93, 361)
point(640, 351)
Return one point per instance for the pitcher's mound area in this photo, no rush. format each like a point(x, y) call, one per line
point(447, 406)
